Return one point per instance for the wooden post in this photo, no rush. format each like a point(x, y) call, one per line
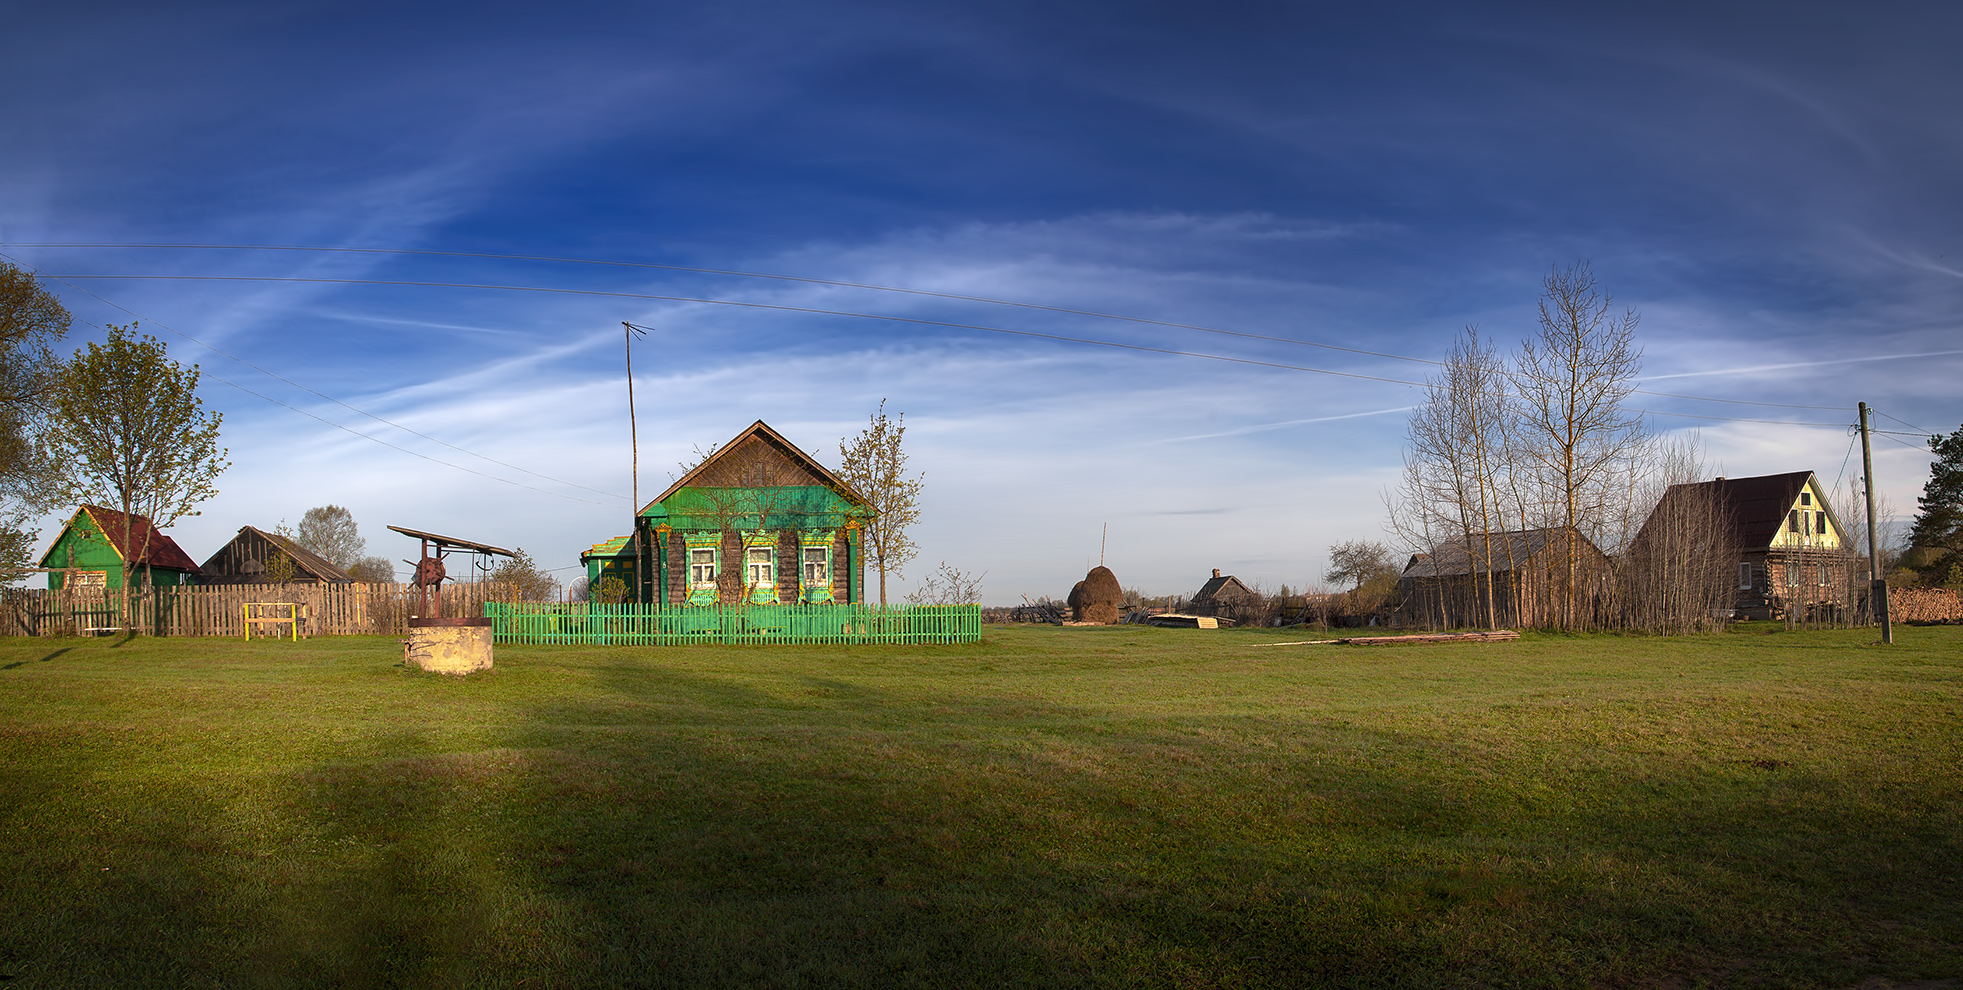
point(1877, 584)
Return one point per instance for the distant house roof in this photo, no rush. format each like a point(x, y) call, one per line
point(1757, 507)
point(1219, 589)
point(1509, 548)
point(152, 547)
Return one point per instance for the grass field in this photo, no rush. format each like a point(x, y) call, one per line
point(1051, 807)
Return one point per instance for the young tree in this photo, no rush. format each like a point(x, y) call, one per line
point(875, 464)
point(953, 586)
point(527, 583)
point(330, 530)
point(1582, 445)
point(1936, 538)
point(129, 423)
point(31, 320)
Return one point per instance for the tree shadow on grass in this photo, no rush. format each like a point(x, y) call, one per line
point(45, 659)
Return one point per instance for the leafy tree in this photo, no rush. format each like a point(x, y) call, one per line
point(330, 530)
point(372, 570)
point(527, 582)
point(875, 464)
point(1368, 567)
point(1937, 535)
point(31, 320)
point(128, 422)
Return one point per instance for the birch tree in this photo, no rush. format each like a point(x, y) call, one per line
point(129, 422)
point(1572, 378)
point(875, 464)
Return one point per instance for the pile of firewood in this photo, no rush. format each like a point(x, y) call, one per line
point(1924, 605)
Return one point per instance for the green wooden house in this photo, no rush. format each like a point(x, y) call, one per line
point(89, 550)
point(759, 521)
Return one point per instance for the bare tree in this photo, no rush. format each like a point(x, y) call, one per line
point(1572, 378)
point(1679, 575)
point(875, 464)
point(952, 586)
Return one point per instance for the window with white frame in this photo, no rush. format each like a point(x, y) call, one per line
point(1744, 575)
point(817, 567)
point(702, 567)
point(760, 567)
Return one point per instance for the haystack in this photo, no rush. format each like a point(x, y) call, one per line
point(1097, 598)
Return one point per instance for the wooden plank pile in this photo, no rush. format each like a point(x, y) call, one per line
point(1924, 605)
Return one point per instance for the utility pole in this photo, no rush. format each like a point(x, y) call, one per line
point(1877, 585)
point(628, 330)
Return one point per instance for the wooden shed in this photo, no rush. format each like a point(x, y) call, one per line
point(1221, 593)
point(92, 542)
point(1447, 586)
point(255, 556)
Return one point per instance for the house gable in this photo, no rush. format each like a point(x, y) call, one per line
point(1774, 511)
point(758, 480)
point(87, 542)
point(244, 559)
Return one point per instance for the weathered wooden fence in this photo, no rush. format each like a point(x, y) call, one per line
point(654, 625)
point(332, 609)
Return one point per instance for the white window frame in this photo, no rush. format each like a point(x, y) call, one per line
point(696, 576)
point(823, 562)
point(768, 563)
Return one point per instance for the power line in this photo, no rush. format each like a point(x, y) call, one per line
point(338, 402)
point(1919, 430)
point(839, 283)
point(379, 440)
point(810, 310)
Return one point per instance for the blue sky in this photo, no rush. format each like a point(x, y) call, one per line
point(1775, 195)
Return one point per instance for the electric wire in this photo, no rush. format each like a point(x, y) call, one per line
point(365, 436)
point(1919, 430)
point(839, 283)
point(277, 377)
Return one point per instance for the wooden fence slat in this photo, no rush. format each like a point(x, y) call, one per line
point(218, 610)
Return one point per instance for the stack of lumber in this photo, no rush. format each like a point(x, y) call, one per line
point(1924, 605)
point(1496, 636)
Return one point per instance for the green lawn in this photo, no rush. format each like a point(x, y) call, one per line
point(1055, 807)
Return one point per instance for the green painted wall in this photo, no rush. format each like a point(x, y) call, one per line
point(94, 552)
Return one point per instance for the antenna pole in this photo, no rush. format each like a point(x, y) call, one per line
point(1100, 543)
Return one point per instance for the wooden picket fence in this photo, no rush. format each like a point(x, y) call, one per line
point(331, 609)
point(655, 625)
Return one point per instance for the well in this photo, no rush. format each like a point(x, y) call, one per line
point(449, 646)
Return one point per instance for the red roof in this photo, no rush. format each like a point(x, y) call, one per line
point(161, 550)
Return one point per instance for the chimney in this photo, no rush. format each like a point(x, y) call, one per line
point(1216, 572)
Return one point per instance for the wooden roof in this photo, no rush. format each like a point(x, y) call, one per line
point(704, 474)
point(1515, 547)
point(1221, 588)
point(304, 559)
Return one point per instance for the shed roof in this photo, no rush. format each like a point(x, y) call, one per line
point(1513, 547)
point(306, 560)
point(152, 547)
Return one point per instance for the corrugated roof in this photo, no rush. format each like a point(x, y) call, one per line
point(607, 548)
point(152, 547)
point(1515, 547)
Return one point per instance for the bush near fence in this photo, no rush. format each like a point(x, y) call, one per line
point(654, 625)
point(218, 610)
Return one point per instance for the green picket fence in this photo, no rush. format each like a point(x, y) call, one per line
point(655, 625)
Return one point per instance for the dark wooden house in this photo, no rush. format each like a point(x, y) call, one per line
point(255, 556)
point(1219, 595)
point(759, 521)
point(1447, 587)
point(92, 542)
point(1792, 554)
